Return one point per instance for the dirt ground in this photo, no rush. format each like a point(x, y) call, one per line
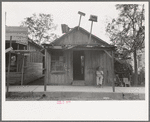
point(15, 97)
point(63, 98)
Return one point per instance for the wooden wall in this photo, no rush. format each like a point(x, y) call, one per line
point(14, 78)
point(20, 62)
point(93, 59)
point(60, 78)
point(47, 67)
point(79, 37)
point(33, 64)
point(33, 68)
point(34, 57)
point(32, 72)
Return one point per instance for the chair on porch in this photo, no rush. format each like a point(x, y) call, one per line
point(126, 82)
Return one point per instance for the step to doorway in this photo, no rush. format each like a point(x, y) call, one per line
point(78, 83)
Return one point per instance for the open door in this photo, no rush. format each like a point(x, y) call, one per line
point(78, 65)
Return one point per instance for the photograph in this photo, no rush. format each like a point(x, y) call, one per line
point(71, 52)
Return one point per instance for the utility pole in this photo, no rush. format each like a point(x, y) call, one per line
point(93, 18)
point(5, 18)
point(8, 71)
point(45, 69)
point(113, 82)
point(81, 14)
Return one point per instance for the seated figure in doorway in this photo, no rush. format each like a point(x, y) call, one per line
point(99, 76)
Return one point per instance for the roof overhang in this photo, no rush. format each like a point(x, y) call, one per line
point(25, 42)
point(79, 47)
point(23, 51)
point(34, 43)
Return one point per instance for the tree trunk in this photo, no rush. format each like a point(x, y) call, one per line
point(135, 68)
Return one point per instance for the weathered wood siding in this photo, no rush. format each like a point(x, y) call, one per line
point(34, 57)
point(47, 67)
point(33, 64)
point(69, 66)
point(32, 72)
point(78, 37)
point(14, 77)
point(20, 61)
point(93, 59)
point(61, 78)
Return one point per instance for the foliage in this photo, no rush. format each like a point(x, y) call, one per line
point(40, 27)
point(128, 30)
point(122, 66)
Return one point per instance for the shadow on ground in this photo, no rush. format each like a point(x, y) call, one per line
point(39, 81)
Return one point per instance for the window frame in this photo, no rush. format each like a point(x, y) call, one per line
point(55, 58)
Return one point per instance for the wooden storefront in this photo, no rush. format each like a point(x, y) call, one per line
point(73, 58)
point(26, 60)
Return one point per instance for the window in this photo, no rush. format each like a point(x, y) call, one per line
point(57, 62)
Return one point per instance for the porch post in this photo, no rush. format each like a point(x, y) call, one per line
point(22, 74)
point(113, 84)
point(45, 70)
point(17, 58)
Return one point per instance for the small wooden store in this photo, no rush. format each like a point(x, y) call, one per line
point(24, 61)
point(73, 58)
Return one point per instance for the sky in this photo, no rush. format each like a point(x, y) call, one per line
point(64, 13)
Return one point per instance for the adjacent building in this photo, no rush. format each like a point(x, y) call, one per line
point(26, 59)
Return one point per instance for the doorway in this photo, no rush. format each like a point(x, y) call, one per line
point(78, 65)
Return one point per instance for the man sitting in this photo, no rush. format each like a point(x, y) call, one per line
point(99, 76)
